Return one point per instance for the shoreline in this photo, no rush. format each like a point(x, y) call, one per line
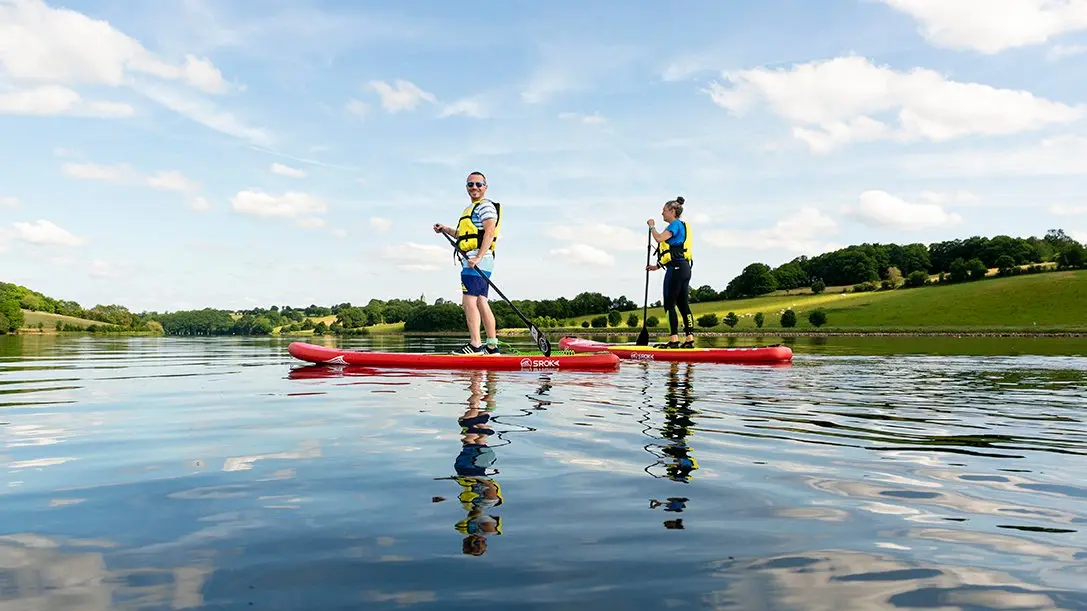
point(773, 333)
point(560, 332)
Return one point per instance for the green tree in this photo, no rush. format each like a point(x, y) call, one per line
point(652, 322)
point(614, 318)
point(632, 320)
point(788, 318)
point(759, 319)
point(818, 287)
point(817, 317)
point(977, 268)
point(442, 317)
point(13, 315)
point(958, 270)
point(708, 320)
point(756, 279)
point(731, 319)
point(916, 278)
point(599, 322)
point(1005, 264)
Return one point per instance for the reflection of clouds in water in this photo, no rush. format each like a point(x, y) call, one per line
point(947, 499)
point(838, 580)
point(403, 599)
point(309, 449)
point(38, 463)
point(1006, 544)
point(40, 573)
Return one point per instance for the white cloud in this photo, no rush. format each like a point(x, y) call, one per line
point(46, 233)
point(199, 204)
point(991, 26)
point(102, 269)
point(685, 66)
point(467, 107)
point(401, 95)
point(39, 43)
point(124, 174)
point(803, 231)
point(1059, 52)
point(283, 170)
point(205, 113)
point(881, 209)
point(958, 198)
point(1067, 210)
point(381, 224)
point(1079, 236)
point(6, 201)
point(339, 233)
point(172, 181)
point(358, 108)
point(57, 100)
point(1057, 156)
point(829, 103)
point(616, 238)
point(583, 254)
point(289, 205)
point(417, 257)
point(578, 67)
point(312, 222)
point(593, 119)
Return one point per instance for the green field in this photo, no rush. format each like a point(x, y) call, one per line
point(49, 321)
point(1047, 301)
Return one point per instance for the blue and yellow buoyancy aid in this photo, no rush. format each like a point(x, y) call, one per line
point(468, 235)
point(676, 252)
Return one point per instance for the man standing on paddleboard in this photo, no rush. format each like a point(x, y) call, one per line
point(476, 233)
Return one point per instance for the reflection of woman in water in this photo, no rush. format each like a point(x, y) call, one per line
point(676, 457)
point(473, 466)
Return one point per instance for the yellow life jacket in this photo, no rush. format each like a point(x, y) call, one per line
point(468, 235)
point(676, 252)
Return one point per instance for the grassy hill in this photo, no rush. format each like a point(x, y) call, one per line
point(49, 321)
point(1036, 302)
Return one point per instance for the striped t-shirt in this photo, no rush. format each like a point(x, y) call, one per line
point(484, 211)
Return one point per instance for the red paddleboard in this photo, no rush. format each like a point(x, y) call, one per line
point(429, 360)
point(757, 354)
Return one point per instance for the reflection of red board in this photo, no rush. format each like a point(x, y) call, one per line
point(429, 360)
point(758, 355)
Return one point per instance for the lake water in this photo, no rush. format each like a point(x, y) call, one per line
point(165, 473)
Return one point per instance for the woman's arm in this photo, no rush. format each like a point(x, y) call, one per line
point(659, 236)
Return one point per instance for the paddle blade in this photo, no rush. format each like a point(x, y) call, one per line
point(541, 341)
point(643, 337)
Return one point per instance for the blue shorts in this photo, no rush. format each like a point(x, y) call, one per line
point(472, 284)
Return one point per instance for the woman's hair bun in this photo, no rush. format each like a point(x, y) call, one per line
point(679, 200)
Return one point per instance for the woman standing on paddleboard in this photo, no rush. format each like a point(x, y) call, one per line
point(676, 258)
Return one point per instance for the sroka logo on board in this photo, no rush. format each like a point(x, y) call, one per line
point(527, 363)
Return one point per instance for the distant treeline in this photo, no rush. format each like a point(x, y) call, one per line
point(865, 265)
point(862, 267)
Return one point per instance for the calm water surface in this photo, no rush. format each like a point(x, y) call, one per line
point(151, 473)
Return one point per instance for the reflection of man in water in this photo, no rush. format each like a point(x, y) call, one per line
point(677, 427)
point(474, 467)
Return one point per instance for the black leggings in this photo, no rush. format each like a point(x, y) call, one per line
point(677, 285)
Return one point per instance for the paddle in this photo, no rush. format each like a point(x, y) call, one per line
point(643, 337)
point(537, 335)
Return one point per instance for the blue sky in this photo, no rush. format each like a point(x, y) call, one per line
point(190, 153)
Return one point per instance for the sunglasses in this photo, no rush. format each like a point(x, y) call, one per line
point(476, 184)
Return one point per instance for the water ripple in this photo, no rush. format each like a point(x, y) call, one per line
point(159, 473)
